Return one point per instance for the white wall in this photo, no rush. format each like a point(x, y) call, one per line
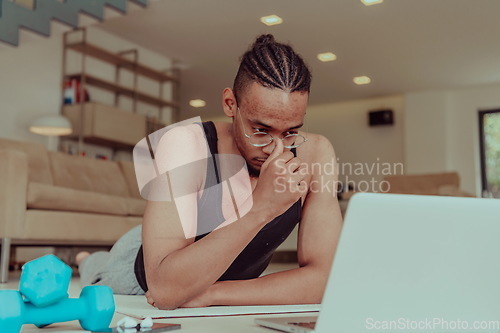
point(345, 124)
point(425, 132)
point(29, 86)
point(442, 131)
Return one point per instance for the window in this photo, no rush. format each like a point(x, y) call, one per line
point(489, 130)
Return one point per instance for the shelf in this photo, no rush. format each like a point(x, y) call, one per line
point(119, 60)
point(106, 125)
point(103, 142)
point(111, 86)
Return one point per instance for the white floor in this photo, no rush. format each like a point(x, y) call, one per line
point(75, 289)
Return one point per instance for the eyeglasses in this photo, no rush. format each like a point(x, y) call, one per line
point(262, 139)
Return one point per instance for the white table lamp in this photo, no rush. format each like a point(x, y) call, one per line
point(51, 126)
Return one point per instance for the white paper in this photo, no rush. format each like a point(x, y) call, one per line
point(138, 307)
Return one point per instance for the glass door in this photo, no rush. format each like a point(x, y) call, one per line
point(489, 129)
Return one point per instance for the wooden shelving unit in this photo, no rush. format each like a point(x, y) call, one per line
point(122, 90)
point(118, 60)
point(85, 116)
point(106, 125)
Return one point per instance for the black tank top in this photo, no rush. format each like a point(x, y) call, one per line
point(255, 257)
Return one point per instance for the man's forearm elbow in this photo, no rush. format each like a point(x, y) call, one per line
point(169, 294)
point(165, 299)
point(167, 305)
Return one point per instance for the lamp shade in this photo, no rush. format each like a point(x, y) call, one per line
point(55, 125)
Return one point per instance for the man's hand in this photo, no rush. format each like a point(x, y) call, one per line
point(281, 182)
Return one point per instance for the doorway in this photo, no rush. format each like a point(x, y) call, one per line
point(489, 131)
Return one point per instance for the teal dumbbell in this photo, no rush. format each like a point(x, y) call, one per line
point(94, 309)
point(45, 280)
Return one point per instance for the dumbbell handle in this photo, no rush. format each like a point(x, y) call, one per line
point(94, 309)
point(65, 310)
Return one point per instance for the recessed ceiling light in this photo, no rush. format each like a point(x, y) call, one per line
point(362, 80)
point(371, 2)
point(197, 103)
point(327, 56)
point(271, 20)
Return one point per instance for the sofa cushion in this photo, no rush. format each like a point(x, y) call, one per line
point(71, 227)
point(49, 197)
point(427, 184)
point(86, 174)
point(38, 161)
point(453, 191)
point(128, 170)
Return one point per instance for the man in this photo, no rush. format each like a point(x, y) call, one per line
point(267, 105)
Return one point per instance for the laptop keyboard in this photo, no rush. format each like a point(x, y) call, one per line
point(310, 324)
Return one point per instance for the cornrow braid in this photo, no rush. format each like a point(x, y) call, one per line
point(273, 65)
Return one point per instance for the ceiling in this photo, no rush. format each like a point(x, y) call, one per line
point(402, 45)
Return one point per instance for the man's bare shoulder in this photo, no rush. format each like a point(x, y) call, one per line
point(185, 132)
point(181, 145)
point(317, 148)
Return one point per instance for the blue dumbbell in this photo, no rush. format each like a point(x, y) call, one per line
point(45, 280)
point(94, 309)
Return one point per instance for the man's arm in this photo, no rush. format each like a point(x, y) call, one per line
point(319, 230)
point(179, 269)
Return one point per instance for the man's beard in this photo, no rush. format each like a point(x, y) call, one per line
point(252, 171)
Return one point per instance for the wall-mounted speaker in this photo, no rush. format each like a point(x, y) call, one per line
point(381, 117)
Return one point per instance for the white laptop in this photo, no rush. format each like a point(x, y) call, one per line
point(411, 263)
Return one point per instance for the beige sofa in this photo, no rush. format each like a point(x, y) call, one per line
point(441, 183)
point(50, 198)
point(444, 183)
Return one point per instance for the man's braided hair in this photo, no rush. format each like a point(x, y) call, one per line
point(273, 65)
